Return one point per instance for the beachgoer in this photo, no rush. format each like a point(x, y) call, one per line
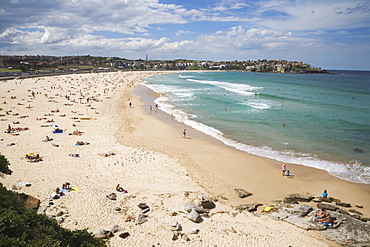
point(151, 108)
point(66, 185)
point(325, 194)
point(130, 104)
point(287, 173)
point(283, 169)
point(119, 188)
point(184, 133)
point(324, 217)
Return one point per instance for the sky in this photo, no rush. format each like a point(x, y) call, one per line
point(331, 34)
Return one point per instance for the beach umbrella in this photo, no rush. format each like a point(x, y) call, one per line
point(54, 125)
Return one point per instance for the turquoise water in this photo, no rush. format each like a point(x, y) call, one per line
point(317, 120)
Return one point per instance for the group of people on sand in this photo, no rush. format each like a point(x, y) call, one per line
point(59, 192)
point(284, 170)
point(33, 158)
point(324, 218)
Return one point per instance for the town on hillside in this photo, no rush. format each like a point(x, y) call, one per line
point(38, 65)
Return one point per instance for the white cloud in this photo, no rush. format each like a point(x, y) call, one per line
point(317, 15)
point(181, 32)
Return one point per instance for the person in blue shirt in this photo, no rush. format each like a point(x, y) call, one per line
point(325, 194)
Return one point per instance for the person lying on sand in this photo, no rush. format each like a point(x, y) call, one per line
point(74, 155)
point(47, 139)
point(77, 133)
point(33, 158)
point(120, 189)
point(107, 154)
point(80, 143)
point(66, 185)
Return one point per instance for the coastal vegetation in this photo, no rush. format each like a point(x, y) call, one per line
point(23, 227)
point(32, 65)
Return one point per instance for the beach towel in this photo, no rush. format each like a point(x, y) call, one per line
point(122, 192)
point(74, 189)
point(25, 184)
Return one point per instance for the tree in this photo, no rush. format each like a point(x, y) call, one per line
point(4, 166)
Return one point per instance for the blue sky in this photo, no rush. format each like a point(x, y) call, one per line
point(332, 34)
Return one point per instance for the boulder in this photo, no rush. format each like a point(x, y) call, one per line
point(194, 231)
point(31, 203)
point(124, 235)
point(185, 237)
point(60, 220)
point(242, 193)
point(352, 232)
point(365, 219)
point(107, 234)
point(302, 197)
point(206, 203)
point(305, 223)
point(189, 206)
point(355, 211)
point(324, 199)
point(98, 233)
point(327, 206)
point(194, 216)
point(343, 204)
point(248, 207)
point(174, 226)
point(116, 228)
point(301, 210)
point(141, 219)
point(143, 206)
point(290, 200)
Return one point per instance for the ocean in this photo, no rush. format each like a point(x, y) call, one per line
point(316, 120)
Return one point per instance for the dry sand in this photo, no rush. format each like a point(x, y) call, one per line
point(153, 162)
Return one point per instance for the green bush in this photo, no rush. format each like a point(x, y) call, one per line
point(22, 227)
point(4, 166)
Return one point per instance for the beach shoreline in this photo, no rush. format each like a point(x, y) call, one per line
point(148, 158)
point(311, 180)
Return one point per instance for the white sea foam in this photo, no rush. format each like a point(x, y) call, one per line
point(352, 172)
point(186, 76)
point(258, 105)
point(242, 89)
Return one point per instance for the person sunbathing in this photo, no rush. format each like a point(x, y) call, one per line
point(78, 133)
point(324, 218)
point(119, 188)
point(74, 155)
point(33, 158)
point(48, 139)
point(80, 143)
point(66, 185)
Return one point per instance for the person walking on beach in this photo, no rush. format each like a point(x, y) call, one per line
point(130, 104)
point(283, 169)
point(184, 133)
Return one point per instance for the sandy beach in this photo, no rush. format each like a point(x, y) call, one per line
point(150, 159)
